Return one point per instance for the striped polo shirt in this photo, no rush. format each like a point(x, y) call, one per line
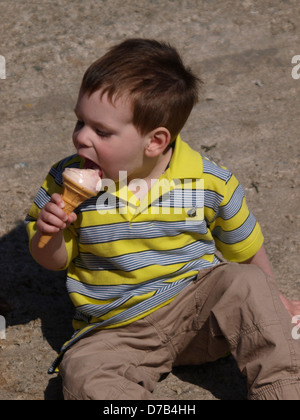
point(127, 258)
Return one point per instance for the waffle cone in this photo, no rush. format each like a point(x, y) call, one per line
point(73, 195)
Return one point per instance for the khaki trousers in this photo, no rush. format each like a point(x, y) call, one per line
point(229, 307)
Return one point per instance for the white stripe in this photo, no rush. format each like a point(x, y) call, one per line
point(181, 198)
point(42, 198)
point(138, 260)
point(212, 199)
point(163, 293)
point(209, 167)
point(236, 235)
point(106, 292)
point(233, 206)
point(139, 230)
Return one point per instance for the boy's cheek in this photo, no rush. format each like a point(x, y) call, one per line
point(74, 140)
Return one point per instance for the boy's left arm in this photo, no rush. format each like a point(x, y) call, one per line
point(261, 260)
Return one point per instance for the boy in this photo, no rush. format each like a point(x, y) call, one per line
point(148, 289)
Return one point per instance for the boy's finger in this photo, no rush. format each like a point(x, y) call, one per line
point(72, 217)
point(57, 199)
point(55, 209)
point(52, 220)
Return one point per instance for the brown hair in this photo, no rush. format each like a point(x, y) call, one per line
point(152, 75)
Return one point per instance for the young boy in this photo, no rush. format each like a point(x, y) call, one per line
point(149, 291)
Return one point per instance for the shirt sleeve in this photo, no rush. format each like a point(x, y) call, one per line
point(237, 234)
point(51, 185)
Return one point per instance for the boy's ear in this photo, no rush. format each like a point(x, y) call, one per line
point(158, 141)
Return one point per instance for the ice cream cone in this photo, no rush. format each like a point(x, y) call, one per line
point(73, 195)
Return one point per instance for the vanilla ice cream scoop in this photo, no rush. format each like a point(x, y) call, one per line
point(86, 178)
point(78, 186)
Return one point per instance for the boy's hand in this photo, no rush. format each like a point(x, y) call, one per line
point(52, 217)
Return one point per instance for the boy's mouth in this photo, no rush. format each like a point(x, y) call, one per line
point(89, 164)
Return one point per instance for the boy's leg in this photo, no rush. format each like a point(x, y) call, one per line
point(240, 305)
point(229, 307)
point(126, 363)
point(112, 364)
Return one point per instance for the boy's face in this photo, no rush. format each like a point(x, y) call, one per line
point(106, 138)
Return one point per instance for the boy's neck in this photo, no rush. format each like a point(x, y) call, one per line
point(154, 171)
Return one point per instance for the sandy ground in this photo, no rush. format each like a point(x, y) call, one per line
point(248, 120)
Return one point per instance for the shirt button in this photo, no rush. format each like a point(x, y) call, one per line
point(192, 212)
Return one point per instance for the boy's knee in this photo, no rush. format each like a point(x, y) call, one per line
point(108, 379)
point(89, 385)
point(104, 385)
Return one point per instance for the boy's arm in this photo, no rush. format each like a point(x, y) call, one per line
point(54, 255)
point(261, 260)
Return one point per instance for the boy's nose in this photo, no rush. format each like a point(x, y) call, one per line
point(82, 137)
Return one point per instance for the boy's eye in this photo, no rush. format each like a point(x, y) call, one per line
point(103, 133)
point(100, 133)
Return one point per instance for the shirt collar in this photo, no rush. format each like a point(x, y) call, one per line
point(185, 162)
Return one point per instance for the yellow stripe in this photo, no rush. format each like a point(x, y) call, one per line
point(80, 300)
point(245, 249)
point(113, 277)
